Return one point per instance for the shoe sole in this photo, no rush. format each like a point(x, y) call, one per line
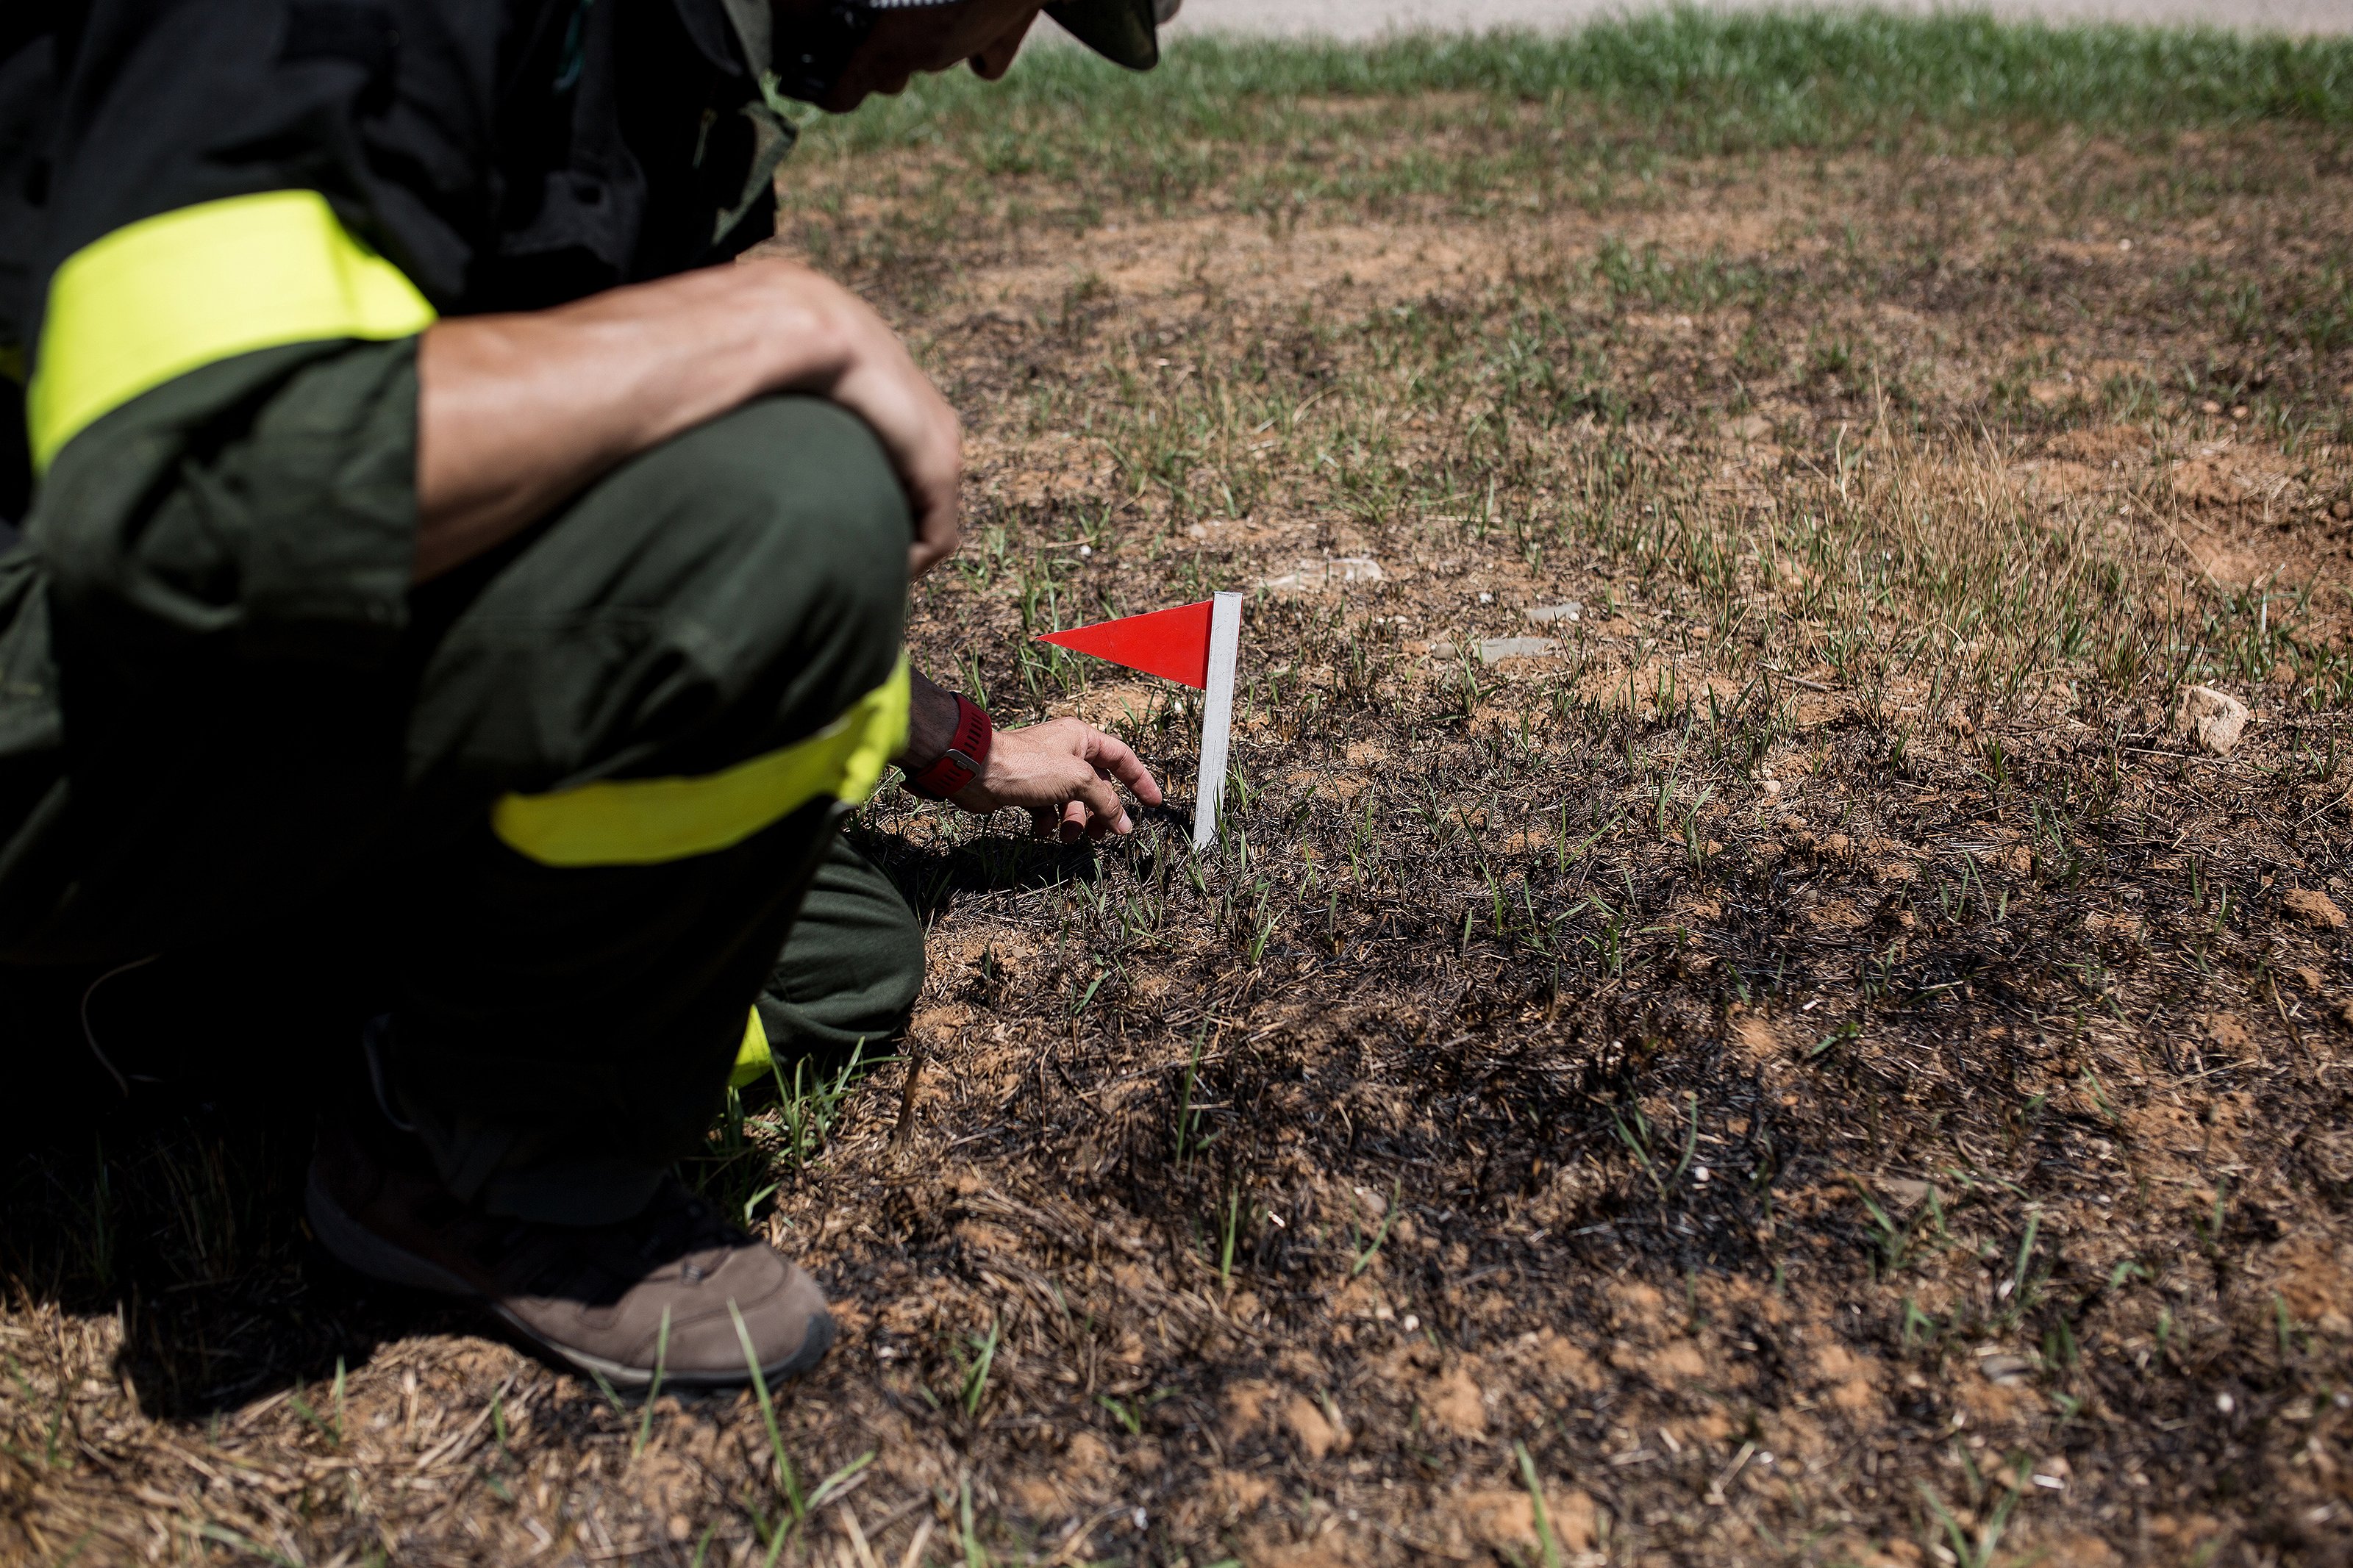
point(362, 1250)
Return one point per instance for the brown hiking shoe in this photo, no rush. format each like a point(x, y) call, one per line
point(595, 1295)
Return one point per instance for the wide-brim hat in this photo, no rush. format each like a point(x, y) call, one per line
point(1124, 31)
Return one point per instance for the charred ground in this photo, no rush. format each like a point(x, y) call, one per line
point(1807, 1066)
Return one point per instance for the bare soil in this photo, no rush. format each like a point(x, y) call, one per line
point(1810, 1067)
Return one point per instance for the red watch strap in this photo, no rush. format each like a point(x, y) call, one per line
point(962, 762)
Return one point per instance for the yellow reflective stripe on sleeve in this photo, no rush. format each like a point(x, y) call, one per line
point(753, 1057)
point(169, 294)
point(642, 822)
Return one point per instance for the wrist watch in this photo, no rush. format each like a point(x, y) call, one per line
point(962, 762)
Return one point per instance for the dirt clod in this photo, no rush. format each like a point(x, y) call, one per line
point(1310, 1426)
point(1457, 1405)
point(2314, 908)
point(2213, 720)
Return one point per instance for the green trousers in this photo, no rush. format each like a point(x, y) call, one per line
point(850, 966)
point(557, 1032)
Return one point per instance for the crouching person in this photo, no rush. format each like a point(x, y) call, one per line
point(426, 543)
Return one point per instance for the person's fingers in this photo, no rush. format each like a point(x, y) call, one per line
point(932, 471)
point(1068, 775)
point(920, 432)
point(935, 493)
point(929, 551)
point(936, 538)
point(1101, 800)
point(1109, 751)
point(870, 373)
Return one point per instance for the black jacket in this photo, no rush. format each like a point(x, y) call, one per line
point(502, 155)
point(218, 553)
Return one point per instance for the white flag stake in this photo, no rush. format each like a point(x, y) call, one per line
point(1216, 714)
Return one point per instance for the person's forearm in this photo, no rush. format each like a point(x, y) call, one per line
point(515, 413)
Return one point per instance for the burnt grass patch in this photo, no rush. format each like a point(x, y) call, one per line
point(1806, 1062)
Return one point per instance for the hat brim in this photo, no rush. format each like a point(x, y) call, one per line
point(1122, 31)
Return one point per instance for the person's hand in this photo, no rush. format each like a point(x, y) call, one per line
point(871, 374)
point(516, 412)
point(1065, 774)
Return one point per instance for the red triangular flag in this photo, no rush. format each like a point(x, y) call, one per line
point(1171, 643)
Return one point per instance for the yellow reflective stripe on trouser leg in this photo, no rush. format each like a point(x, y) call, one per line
point(639, 822)
point(169, 294)
point(753, 1057)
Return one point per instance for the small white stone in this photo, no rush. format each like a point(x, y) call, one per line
point(1331, 573)
point(1085, 550)
point(1495, 650)
point(2225, 1404)
point(1486, 598)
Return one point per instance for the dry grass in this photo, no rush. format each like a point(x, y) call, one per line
point(1808, 1068)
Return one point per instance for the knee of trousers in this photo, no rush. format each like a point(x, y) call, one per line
point(727, 593)
point(795, 528)
point(894, 965)
point(868, 998)
point(854, 964)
